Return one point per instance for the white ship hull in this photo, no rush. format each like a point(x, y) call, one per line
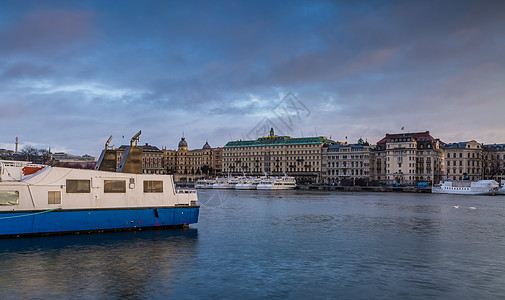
point(283, 183)
point(482, 187)
point(246, 186)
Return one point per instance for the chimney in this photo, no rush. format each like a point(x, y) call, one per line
point(16, 145)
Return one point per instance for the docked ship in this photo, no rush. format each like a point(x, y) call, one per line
point(204, 183)
point(247, 183)
point(61, 200)
point(501, 190)
point(281, 183)
point(465, 187)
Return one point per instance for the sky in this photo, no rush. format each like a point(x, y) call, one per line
point(72, 73)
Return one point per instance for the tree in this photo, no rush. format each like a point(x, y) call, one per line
point(29, 152)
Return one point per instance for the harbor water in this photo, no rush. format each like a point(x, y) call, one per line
point(279, 244)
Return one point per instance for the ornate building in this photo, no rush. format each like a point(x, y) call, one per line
point(463, 161)
point(408, 158)
point(276, 155)
point(347, 162)
point(189, 165)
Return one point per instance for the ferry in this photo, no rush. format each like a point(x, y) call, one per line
point(247, 184)
point(501, 190)
point(61, 200)
point(225, 183)
point(481, 187)
point(281, 183)
point(204, 184)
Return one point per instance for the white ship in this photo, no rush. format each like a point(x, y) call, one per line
point(225, 183)
point(247, 183)
point(501, 190)
point(204, 183)
point(38, 199)
point(281, 183)
point(481, 187)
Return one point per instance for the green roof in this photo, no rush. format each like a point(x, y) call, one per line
point(279, 141)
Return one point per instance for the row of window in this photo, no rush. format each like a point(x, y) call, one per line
point(111, 186)
point(274, 147)
point(82, 186)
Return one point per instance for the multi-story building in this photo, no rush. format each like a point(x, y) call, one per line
point(408, 158)
point(197, 161)
point(190, 165)
point(347, 162)
point(152, 159)
point(494, 162)
point(463, 161)
point(276, 155)
point(217, 160)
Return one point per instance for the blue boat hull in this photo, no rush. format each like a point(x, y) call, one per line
point(64, 221)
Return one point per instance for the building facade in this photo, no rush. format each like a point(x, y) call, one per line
point(409, 158)
point(190, 165)
point(347, 164)
point(463, 161)
point(276, 155)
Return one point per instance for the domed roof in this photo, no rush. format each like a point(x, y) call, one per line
point(206, 146)
point(183, 143)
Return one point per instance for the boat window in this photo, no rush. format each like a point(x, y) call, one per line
point(78, 186)
point(9, 197)
point(152, 186)
point(114, 186)
point(53, 197)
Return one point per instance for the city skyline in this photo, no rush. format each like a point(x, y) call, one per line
point(73, 73)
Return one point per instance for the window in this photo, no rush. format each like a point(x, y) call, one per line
point(151, 186)
point(78, 186)
point(53, 197)
point(114, 186)
point(9, 197)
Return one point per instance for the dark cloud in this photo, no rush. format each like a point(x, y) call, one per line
point(72, 73)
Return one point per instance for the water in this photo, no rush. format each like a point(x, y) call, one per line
point(284, 244)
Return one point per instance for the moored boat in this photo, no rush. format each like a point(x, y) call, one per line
point(501, 190)
point(281, 183)
point(204, 183)
point(61, 200)
point(247, 184)
point(481, 187)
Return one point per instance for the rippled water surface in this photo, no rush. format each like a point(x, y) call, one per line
point(288, 244)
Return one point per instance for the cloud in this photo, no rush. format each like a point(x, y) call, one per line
point(73, 73)
point(46, 31)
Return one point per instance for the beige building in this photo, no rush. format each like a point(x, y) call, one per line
point(409, 158)
point(347, 164)
point(276, 155)
point(463, 161)
point(189, 165)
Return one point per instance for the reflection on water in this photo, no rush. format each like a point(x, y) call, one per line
point(123, 264)
point(282, 244)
